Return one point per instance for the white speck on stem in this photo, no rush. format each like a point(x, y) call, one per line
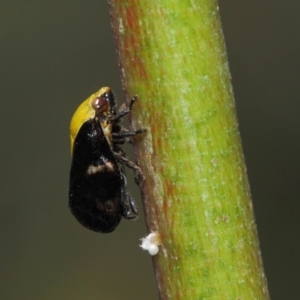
point(151, 243)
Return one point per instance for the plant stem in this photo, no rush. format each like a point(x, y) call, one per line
point(196, 192)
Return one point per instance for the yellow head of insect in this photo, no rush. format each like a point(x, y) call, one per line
point(101, 103)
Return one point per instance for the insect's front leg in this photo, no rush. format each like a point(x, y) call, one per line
point(137, 172)
point(124, 112)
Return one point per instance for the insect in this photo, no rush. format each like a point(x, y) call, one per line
point(98, 197)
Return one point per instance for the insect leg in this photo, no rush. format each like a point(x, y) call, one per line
point(128, 133)
point(138, 175)
point(128, 206)
point(121, 135)
point(126, 111)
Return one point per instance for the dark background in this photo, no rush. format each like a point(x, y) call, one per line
point(56, 53)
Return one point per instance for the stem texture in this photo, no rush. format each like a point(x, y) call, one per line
point(196, 193)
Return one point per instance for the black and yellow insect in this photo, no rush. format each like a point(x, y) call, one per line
point(98, 197)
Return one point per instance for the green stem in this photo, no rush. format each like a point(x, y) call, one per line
point(196, 192)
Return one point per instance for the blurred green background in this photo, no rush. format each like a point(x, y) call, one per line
point(54, 54)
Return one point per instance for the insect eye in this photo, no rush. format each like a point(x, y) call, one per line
point(100, 104)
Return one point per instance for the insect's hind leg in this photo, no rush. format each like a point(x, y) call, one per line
point(128, 206)
point(137, 172)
